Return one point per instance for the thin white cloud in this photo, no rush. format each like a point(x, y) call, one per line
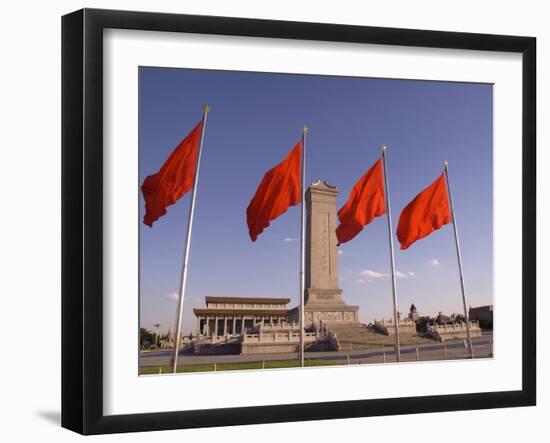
point(370, 275)
point(340, 252)
point(373, 274)
point(434, 262)
point(289, 239)
point(172, 296)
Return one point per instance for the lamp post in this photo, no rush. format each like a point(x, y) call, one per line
point(157, 326)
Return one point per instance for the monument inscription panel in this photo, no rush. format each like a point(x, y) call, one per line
point(323, 297)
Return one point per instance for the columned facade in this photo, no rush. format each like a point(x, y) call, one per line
point(224, 316)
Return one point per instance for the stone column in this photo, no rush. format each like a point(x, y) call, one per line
point(207, 326)
point(234, 324)
point(225, 325)
point(216, 327)
point(321, 250)
point(323, 297)
point(242, 324)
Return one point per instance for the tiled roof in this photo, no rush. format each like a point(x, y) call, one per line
point(239, 311)
point(215, 299)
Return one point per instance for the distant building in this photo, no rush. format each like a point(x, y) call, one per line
point(481, 313)
point(457, 318)
point(443, 319)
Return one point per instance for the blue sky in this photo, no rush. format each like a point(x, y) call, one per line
point(255, 120)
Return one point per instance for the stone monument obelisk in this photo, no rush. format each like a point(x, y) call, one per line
point(323, 297)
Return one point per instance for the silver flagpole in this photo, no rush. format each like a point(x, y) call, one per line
point(303, 249)
point(459, 257)
point(392, 260)
point(187, 245)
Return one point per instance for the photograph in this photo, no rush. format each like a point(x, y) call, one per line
point(296, 221)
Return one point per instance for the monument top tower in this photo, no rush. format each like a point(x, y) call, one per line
point(321, 250)
point(323, 297)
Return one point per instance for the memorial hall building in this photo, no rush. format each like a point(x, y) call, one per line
point(237, 315)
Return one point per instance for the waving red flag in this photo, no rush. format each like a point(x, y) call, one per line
point(365, 202)
point(278, 190)
point(427, 212)
point(174, 179)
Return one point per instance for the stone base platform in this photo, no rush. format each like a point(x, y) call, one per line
point(221, 347)
point(276, 340)
point(387, 327)
point(354, 336)
point(325, 313)
point(265, 340)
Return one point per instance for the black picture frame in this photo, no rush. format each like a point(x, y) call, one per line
point(82, 218)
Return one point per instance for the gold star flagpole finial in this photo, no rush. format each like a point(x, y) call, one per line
point(206, 108)
point(304, 129)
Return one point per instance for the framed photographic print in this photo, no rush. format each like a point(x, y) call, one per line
point(269, 221)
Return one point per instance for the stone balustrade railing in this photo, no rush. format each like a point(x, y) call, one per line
point(387, 327)
point(279, 337)
point(276, 326)
point(460, 326)
point(453, 330)
point(402, 321)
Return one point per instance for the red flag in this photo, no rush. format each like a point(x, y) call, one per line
point(173, 180)
point(278, 190)
point(365, 202)
point(427, 212)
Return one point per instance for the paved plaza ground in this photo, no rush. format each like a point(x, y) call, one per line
point(158, 361)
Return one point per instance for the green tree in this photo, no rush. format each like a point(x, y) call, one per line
point(146, 338)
